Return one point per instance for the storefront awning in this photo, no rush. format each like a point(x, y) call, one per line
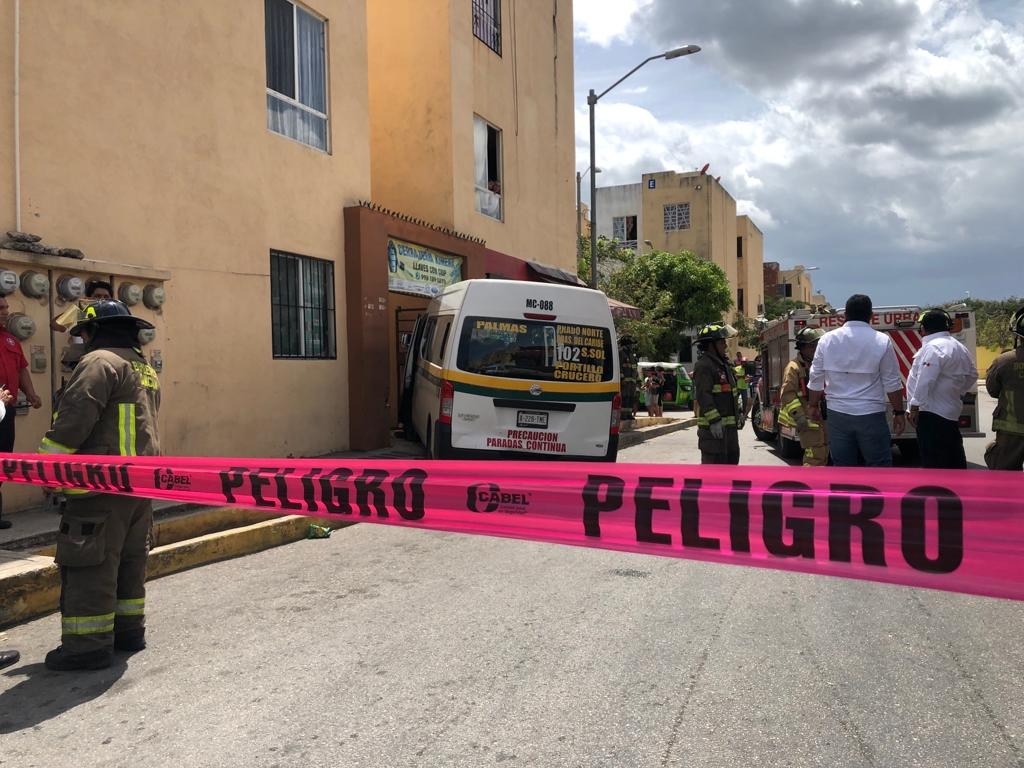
point(553, 274)
point(621, 309)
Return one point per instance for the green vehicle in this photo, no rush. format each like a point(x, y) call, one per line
point(678, 389)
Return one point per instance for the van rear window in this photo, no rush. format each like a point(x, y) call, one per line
point(535, 349)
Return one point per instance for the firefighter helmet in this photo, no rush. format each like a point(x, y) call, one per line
point(936, 318)
point(807, 336)
point(714, 332)
point(107, 311)
point(1017, 323)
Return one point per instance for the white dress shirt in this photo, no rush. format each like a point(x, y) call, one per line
point(856, 366)
point(943, 372)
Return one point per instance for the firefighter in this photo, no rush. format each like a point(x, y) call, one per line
point(1005, 381)
point(714, 390)
point(793, 399)
point(742, 386)
point(109, 406)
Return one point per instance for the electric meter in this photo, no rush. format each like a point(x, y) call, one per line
point(130, 294)
point(21, 325)
point(146, 335)
point(8, 282)
point(35, 285)
point(70, 288)
point(153, 296)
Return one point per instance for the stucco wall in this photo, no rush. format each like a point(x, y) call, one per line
point(429, 76)
point(144, 141)
point(750, 269)
point(620, 200)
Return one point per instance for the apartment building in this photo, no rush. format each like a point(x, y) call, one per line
point(670, 211)
point(271, 183)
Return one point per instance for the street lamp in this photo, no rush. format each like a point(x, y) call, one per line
point(592, 100)
point(579, 208)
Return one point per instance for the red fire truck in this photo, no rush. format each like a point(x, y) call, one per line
point(777, 349)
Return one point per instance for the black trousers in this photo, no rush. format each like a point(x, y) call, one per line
point(940, 443)
point(7, 439)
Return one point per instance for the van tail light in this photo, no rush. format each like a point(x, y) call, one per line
point(616, 415)
point(447, 400)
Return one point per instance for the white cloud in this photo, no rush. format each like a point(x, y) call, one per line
point(888, 140)
point(604, 21)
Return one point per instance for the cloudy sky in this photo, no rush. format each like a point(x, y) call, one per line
point(881, 141)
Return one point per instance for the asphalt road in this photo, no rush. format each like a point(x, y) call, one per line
point(390, 647)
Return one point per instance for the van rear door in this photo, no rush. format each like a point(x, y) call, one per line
point(534, 387)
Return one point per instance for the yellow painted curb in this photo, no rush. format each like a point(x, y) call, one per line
point(30, 584)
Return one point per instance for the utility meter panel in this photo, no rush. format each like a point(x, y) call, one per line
point(26, 289)
point(151, 308)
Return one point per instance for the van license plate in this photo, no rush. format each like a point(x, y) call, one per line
point(535, 419)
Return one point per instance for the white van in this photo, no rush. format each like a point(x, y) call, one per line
point(508, 369)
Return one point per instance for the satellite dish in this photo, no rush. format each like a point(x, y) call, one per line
point(705, 168)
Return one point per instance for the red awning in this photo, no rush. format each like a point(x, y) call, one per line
point(622, 309)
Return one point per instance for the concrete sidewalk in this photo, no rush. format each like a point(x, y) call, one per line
point(187, 536)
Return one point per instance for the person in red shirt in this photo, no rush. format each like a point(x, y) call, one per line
point(14, 375)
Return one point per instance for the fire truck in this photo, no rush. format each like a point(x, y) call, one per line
point(900, 322)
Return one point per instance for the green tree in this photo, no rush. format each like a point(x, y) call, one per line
point(675, 291)
point(993, 319)
point(609, 256)
point(779, 306)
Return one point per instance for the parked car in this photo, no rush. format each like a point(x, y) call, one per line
point(678, 389)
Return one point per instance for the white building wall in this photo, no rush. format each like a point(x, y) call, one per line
point(622, 200)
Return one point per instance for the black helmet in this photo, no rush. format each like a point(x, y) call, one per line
point(1017, 323)
point(714, 332)
point(807, 336)
point(107, 311)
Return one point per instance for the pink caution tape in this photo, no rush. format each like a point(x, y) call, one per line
point(961, 531)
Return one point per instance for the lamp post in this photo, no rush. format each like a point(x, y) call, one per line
point(592, 99)
point(579, 206)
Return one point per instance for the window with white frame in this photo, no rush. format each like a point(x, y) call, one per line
point(296, 73)
point(676, 216)
point(302, 306)
point(487, 167)
point(624, 230)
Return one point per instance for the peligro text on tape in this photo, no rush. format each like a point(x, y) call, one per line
point(959, 531)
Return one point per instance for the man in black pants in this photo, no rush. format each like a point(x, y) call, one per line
point(943, 372)
point(13, 375)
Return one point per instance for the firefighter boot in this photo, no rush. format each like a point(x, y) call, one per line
point(61, 661)
point(130, 640)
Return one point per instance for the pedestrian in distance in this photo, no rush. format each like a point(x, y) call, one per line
point(719, 413)
point(652, 392)
point(793, 397)
point(7, 656)
point(109, 406)
point(14, 376)
point(857, 366)
point(942, 373)
point(1005, 382)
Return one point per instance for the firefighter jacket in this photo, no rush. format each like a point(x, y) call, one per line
point(1005, 381)
point(109, 407)
point(715, 390)
point(793, 394)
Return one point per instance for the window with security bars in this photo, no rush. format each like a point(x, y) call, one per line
point(624, 229)
point(487, 23)
point(302, 307)
point(296, 43)
point(676, 216)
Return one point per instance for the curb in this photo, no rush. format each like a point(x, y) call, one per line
point(30, 583)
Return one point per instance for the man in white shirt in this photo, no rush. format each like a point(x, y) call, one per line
point(857, 366)
point(943, 372)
